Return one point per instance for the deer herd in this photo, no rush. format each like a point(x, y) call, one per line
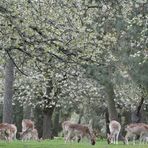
point(77, 132)
point(8, 131)
point(132, 131)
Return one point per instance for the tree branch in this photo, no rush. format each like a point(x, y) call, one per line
point(15, 63)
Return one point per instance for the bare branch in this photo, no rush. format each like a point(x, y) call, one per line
point(15, 63)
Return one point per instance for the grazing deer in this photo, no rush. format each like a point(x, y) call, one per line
point(13, 130)
point(135, 129)
point(78, 130)
point(144, 138)
point(114, 128)
point(29, 135)
point(73, 136)
point(27, 125)
point(8, 131)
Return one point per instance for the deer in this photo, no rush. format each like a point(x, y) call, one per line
point(28, 130)
point(13, 130)
point(65, 126)
point(73, 136)
point(29, 135)
point(8, 131)
point(27, 125)
point(144, 138)
point(77, 130)
point(114, 128)
point(135, 129)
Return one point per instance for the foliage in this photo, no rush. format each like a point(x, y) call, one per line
point(78, 47)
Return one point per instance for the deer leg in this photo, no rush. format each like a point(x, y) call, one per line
point(126, 138)
point(68, 136)
point(134, 137)
point(142, 136)
point(113, 139)
point(65, 132)
point(117, 136)
point(78, 138)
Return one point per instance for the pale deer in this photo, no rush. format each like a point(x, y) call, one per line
point(73, 136)
point(114, 128)
point(135, 129)
point(13, 130)
point(144, 138)
point(77, 130)
point(35, 134)
point(8, 131)
point(29, 135)
point(27, 125)
point(65, 126)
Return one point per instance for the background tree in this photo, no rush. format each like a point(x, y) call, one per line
point(76, 56)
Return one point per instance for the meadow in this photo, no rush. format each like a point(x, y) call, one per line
point(59, 143)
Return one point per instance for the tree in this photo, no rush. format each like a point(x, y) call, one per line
point(103, 41)
point(8, 92)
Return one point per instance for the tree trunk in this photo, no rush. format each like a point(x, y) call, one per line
point(56, 122)
point(38, 115)
point(139, 109)
point(27, 112)
point(107, 124)
point(47, 112)
point(8, 92)
point(136, 115)
point(47, 123)
point(113, 115)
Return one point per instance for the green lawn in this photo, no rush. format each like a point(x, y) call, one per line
point(60, 144)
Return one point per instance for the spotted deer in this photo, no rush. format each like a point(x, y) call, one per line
point(28, 130)
point(29, 135)
point(114, 128)
point(27, 125)
point(8, 131)
point(135, 129)
point(77, 130)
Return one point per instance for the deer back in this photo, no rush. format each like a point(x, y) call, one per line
point(27, 124)
point(114, 126)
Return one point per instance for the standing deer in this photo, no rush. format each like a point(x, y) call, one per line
point(78, 130)
point(135, 129)
point(114, 128)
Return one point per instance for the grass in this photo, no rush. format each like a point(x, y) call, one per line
point(59, 143)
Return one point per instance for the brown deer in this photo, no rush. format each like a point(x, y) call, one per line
point(28, 130)
point(135, 129)
point(65, 126)
point(73, 136)
point(78, 130)
point(114, 128)
point(8, 131)
point(27, 125)
point(29, 135)
point(13, 130)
